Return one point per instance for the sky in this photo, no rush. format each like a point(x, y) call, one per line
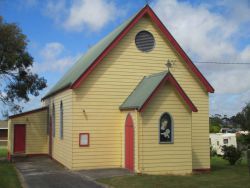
point(60, 31)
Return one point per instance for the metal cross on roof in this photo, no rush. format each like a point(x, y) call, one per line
point(169, 64)
point(147, 2)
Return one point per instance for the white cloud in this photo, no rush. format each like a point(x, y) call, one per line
point(228, 104)
point(245, 54)
point(56, 10)
point(210, 35)
point(52, 50)
point(53, 59)
point(202, 33)
point(231, 82)
point(93, 14)
point(83, 14)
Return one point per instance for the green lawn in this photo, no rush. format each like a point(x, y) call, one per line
point(8, 175)
point(3, 152)
point(222, 175)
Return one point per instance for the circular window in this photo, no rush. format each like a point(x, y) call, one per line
point(144, 41)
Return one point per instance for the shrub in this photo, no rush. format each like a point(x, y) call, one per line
point(248, 156)
point(212, 152)
point(243, 141)
point(231, 154)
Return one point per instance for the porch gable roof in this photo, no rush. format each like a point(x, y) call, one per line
point(147, 88)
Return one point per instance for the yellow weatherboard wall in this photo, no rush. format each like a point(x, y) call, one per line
point(95, 105)
point(173, 158)
point(36, 132)
point(62, 148)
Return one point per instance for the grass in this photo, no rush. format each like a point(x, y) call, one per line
point(3, 152)
point(222, 175)
point(8, 174)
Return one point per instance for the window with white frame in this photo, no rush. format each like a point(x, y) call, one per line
point(225, 141)
point(61, 120)
point(53, 120)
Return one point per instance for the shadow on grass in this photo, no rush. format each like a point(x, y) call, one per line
point(222, 175)
point(219, 164)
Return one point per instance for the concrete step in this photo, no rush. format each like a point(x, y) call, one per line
point(18, 157)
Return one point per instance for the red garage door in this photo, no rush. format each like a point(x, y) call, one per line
point(19, 138)
point(129, 143)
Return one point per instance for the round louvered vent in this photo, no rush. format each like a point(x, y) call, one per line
point(144, 41)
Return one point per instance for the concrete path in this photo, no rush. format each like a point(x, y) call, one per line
point(42, 172)
point(104, 173)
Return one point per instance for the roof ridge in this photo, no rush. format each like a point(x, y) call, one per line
point(157, 74)
point(29, 112)
point(147, 88)
point(144, 77)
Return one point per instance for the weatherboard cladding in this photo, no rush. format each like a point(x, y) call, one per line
point(3, 124)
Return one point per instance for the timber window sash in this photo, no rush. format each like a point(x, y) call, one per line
point(225, 141)
point(61, 120)
point(53, 120)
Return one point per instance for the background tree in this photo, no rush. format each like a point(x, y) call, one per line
point(238, 120)
point(215, 123)
point(17, 81)
point(214, 128)
point(243, 118)
point(246, 114)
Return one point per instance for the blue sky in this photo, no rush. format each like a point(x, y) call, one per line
point(60, 31)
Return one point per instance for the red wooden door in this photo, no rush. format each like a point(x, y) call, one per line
point(129, 143)
point(19, 138)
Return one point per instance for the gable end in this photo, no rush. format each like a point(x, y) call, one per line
point(121, 33)
point(146, 10)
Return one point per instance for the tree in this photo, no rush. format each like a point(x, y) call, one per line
point(17, 81)
point(216, 119)
point(243, 141)
point(243, 118)
point(246, 114)
point(214, 128)
point(238, 119)
point(214, 124)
